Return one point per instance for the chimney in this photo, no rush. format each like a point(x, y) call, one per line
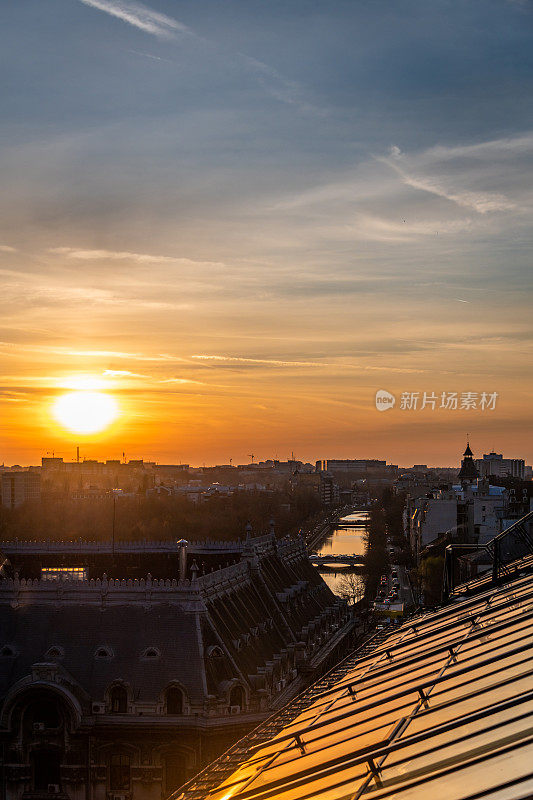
point(182, 544)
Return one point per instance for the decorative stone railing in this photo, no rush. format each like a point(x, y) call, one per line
point(139, 546)
point(100, 591)
point(257, 543)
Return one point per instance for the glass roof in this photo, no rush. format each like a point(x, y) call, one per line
point(441, 707)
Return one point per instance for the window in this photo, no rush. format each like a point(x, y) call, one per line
point(8, 652)
point(103, 653)
point(45, 712)
point(63, 574)
point(150, 654)
point(55, 652)
point(119, 772)
point(236, 696)
point(175, 771)
point(174, 700)
point(46, 769)
point(119, 700)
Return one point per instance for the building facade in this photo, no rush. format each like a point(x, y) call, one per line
point(122, 688)
point(495, 464)
point(20, 487)
point(472, 510)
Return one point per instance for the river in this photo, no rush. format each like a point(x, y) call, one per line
point(345, 541)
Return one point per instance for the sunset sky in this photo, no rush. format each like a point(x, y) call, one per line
point(241, 219)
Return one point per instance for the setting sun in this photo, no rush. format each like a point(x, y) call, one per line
point(85, 412)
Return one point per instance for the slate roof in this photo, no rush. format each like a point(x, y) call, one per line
point(127, 629)
point(241, 609)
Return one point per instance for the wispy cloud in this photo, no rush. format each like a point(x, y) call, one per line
point(11, 348)
point(150, 55)
point(271, 362)
point(277, 85)
point(182, 381)
point(266, 361)
point(408, 197)
point(124, 255)
point(481, 202)
point(122, 373)
point(5, 248)
point(164, 27)
point(140, 16)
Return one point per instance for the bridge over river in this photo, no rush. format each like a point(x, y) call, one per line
point(346, 522)
point(348, 559)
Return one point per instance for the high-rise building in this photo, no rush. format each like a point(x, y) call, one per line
point(20, 487)
point(495, 464)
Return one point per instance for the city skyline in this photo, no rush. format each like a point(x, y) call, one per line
point(241, 224)
point(78, 456)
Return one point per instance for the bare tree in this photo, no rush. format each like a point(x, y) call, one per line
point(352, 587)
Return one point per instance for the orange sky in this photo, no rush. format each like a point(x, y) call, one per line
point(224, 379)
point(242, 224)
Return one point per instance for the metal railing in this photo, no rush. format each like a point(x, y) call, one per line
point(470, 567)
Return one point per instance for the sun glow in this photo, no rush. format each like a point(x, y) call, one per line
point(85, 412)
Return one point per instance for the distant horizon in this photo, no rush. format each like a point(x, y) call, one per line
point(237, 462)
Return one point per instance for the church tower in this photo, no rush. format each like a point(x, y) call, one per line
point(468, 472)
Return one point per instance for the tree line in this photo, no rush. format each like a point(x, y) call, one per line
point(159, 517)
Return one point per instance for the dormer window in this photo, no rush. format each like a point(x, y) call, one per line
point(55, 652)
point(236, 698)
point(118, 700)
point(174, 700)
point(150, 654)
point(8, 652)
point(103, 653)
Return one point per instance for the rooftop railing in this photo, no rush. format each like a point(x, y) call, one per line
point(469, 567)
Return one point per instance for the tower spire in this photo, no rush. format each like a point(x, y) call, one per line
point(468, 472)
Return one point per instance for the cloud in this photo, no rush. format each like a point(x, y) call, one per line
point(5, 248)
point(481, 202)
point(276, 85)
point(266, 361)
point(509, 146)
point(11, 348)
point(270, 362)
point(154, 58)
point(140, 16)
point(165, 27)
point(123, 255)
point(182, 380)
point(122, 373)
point(472, 191)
